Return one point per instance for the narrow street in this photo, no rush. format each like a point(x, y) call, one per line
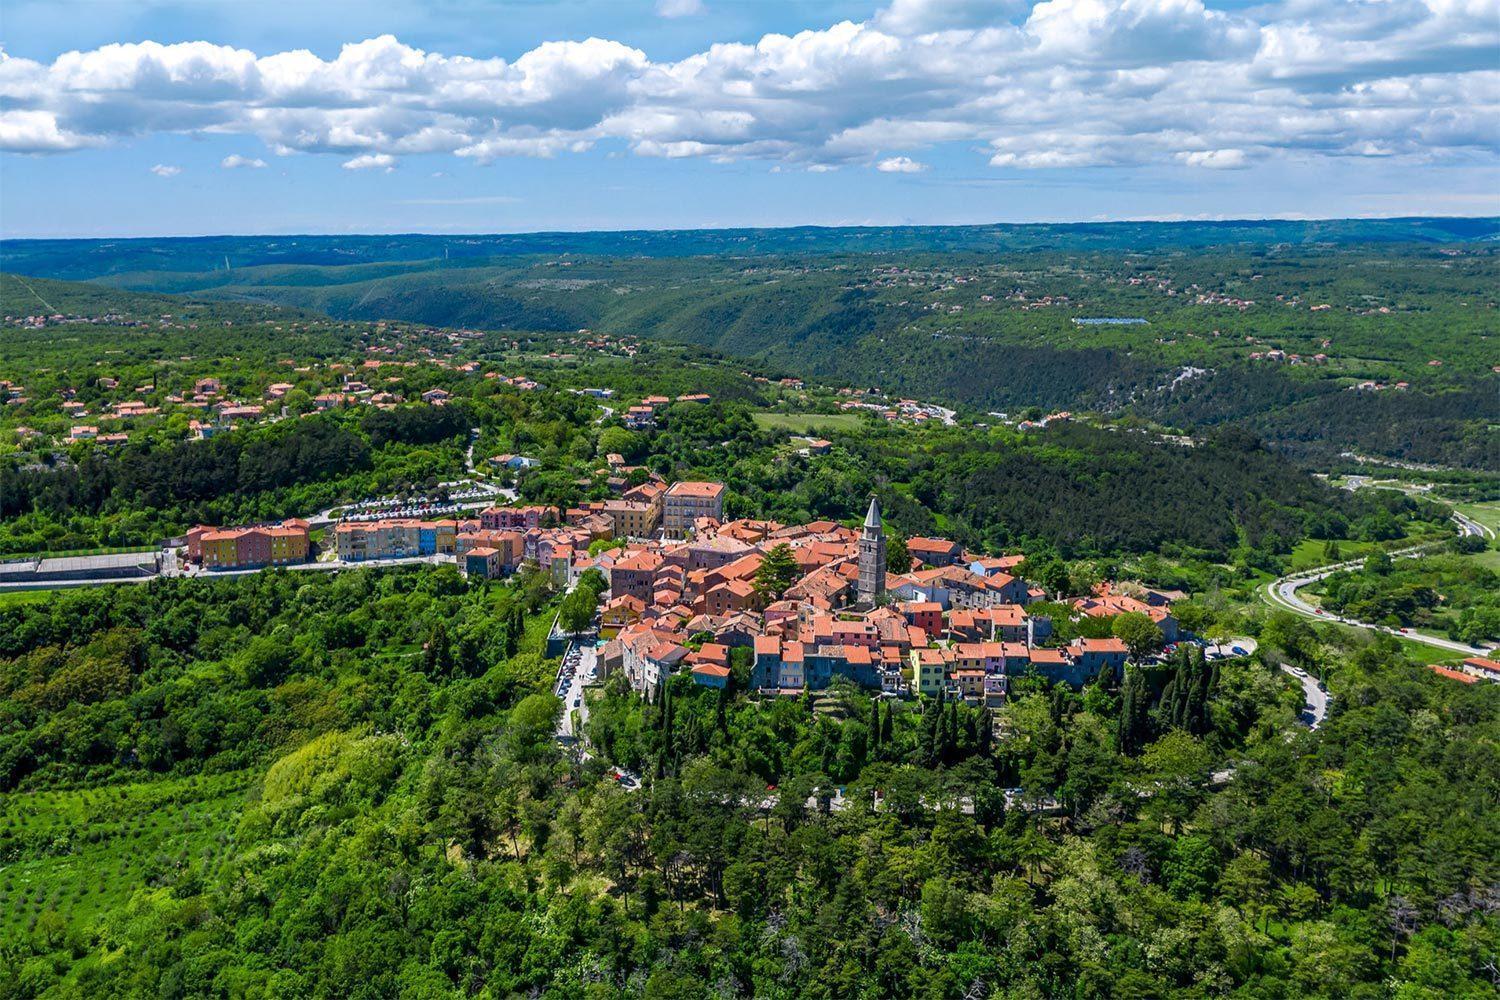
point(579, 668)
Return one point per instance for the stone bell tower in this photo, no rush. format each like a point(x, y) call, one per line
point(871, 556)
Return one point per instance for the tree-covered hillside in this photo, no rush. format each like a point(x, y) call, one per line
point(1374, 338)
point(308, 785)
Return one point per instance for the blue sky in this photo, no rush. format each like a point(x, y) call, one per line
point(186, 118)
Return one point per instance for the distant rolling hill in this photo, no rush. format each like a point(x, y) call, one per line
point(81, 260)
point(974, 316)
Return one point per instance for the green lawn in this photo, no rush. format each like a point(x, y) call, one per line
point(1308, 553)
point(1489, 559)
point(10, 598)
point(808, 423)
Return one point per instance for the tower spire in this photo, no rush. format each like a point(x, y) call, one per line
point(871, 554)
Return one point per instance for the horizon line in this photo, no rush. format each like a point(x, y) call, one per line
point(866, 227)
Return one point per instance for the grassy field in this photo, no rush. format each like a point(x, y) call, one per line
point(808, 423)
point(1308, 553)
point(80, 854)
point(10, 598)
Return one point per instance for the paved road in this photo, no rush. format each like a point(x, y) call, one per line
point(189, 571)
point(1315, 709)
point(474, 433)
point(1282, 593)
point(1244, 643)
point(1468, 526)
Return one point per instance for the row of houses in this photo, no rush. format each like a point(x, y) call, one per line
point(394, 538)
point(250, 547)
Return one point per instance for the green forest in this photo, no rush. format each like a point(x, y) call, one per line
point(301, 785)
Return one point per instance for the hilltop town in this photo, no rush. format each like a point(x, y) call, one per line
point(796, 606)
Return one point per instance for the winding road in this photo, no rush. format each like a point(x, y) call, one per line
point(1282, 594)
point(1315, 707)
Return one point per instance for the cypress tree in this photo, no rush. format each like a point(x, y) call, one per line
point(666, 721)
point(1132, 724)
point(950, 733)
point(1166, 709)
point(1200, 702)
point(888, 726)
point(438, 660)
point(932, 724)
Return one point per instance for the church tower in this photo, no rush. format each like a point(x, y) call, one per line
point(871, 556)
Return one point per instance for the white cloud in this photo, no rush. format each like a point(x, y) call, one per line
point(900, 165)
point(679, 8)
point(371, 161)
point(235, 161)
point(1215, 159)
point(166, 170)
point(1057, 84)
point(24, 131)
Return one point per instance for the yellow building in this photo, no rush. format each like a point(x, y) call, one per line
point(220, 549)
point(634, 518)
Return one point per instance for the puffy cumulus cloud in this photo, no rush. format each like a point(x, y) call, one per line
point(900, 165)
point(166, 170)
point(371, 161)
point(1054, 84)
point(24, 131)
point(234, 161)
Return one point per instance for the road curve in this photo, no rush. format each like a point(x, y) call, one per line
point(1315, 707)
point(1282, 594)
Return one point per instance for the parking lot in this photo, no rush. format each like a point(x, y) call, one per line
point(459, 496)
point(579, 668)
